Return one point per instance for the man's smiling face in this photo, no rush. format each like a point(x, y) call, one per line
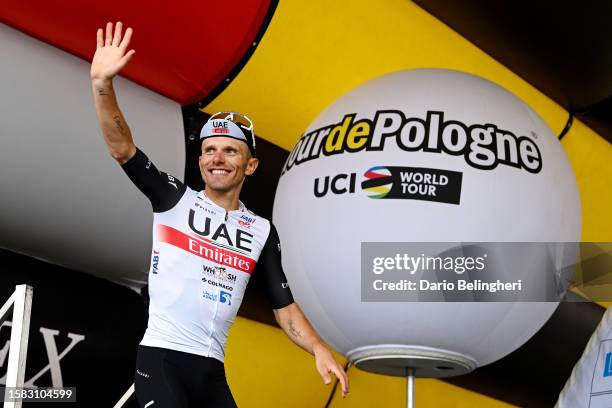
point(225, 162)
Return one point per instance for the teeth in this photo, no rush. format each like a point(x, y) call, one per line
point(219, 171)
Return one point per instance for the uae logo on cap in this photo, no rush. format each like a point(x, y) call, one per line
point(220, 126)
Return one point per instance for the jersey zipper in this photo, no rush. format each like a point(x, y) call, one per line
point(226, 215)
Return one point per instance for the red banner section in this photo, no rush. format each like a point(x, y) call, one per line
point(183, 51)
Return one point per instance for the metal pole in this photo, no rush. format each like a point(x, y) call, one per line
point(410, 389)
point(6, 308)
point(18, 349)
point(126, 397)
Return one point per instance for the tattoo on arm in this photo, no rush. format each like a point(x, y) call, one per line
point(293, 330)
point(101, 91)
point(117, 121)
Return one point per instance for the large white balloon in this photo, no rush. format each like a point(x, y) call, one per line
point(502, 176)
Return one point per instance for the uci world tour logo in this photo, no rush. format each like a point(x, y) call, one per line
point(378, 183)
point(394, 182)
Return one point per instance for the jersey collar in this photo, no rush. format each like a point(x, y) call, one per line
point(203, 196)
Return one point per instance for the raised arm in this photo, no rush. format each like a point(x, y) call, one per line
point(110, 58)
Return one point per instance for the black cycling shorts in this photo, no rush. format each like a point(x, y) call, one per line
point(173, 379)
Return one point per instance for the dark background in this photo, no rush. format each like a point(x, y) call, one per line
point(562, 48)
point(111, 317)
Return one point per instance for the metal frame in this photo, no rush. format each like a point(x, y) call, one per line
point(126, 397)
point(21, 303)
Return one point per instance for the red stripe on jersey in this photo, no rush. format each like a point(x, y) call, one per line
point(204, 249)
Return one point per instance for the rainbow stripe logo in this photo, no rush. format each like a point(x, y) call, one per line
point(378, 182)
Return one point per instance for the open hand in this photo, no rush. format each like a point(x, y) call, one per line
point(110, 56)
point(326, 364)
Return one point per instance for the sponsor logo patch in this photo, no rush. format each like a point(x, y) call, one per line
point(218, 272)
point(222, 297)
point(393, 182)
point(155, 262)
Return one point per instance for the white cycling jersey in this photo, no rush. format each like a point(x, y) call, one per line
point(201, 262)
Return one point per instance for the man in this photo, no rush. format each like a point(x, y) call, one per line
point(205, 246)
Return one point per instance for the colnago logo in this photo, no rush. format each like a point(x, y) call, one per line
point(484, 146)
point(213, 282)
